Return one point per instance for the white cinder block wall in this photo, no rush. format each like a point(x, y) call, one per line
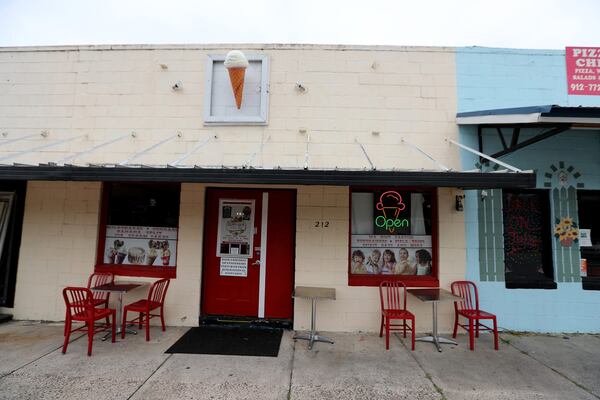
point(59, 249)
point(100, 93)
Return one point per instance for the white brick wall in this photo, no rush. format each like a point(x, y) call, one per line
point(103, 93)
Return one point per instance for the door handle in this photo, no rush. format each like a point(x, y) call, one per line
point(256, 263)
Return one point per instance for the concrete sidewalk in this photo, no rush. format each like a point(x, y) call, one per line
point(356, 367)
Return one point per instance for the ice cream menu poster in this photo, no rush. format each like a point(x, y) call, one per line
point(141, 245)
point(236, 228)
point(391, 254)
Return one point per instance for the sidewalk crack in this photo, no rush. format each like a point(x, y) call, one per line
point(589, 391)
point(150, 376)
point(289, 395)
point(39, 358)
point(427, 374)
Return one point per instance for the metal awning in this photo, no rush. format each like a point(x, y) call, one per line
point(466, 180)
point(548, 114)
point(176, 158)
point(546, 121)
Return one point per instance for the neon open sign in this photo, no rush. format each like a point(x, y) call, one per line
point(390, 203)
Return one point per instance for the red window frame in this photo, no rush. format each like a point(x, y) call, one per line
point(409, 280)
point(127, 269)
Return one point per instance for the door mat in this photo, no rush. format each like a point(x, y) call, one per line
point(230, 340)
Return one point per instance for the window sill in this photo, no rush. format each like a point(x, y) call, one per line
point(531, 285)
point(138, 270)
point(408, 280)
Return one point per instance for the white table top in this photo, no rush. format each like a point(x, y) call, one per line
point(308, 292)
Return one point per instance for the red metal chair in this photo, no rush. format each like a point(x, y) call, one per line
point(469, 308)
point(97, 279)
point(100, 298)
point(80, 307)
point(393, 306)
point(156, 299)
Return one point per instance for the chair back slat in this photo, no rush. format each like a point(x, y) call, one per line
point(98, 279)
point(468, 291)
point(78, 300)
point(158, 291)
point(392, 295)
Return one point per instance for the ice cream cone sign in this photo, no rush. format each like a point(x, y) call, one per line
point(390, 203)
point(236, 64)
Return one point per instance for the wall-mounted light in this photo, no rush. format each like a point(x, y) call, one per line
point(484, 195)
point(459, 202)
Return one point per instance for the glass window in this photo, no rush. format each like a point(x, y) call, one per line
point(139, 231)
point(391, 236)
point(527, 246)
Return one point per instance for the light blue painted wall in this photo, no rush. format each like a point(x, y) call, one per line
point(489, 78)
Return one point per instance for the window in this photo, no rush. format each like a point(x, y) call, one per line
point(392, 237)
point(138, 230)
point(219, 101)
point(588, 202)
point(527, 235)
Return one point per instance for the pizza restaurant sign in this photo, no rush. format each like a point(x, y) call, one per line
point(583, 70)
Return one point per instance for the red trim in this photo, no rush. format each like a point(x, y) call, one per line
point(120, 269)
point(409, 280)
point(138, 270)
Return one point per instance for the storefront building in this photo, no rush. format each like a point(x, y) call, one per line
point(339, 167)
point(525, 247)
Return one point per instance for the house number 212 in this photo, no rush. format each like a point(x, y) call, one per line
point(321, 224)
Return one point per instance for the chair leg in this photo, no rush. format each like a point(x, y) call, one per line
point(106, 306)
point(477, 328)
point(66, 318)
point(124, 324)
point(67, 335)
point(381, 327)
point(141, 320)
point(162, 318)
point(147, 326)
point(404, 328)
point(90, 336)
point(471, 338)
point(114, 325)
point(387, 333)
point(455, 324)
point(413, 334)
point(495, 334)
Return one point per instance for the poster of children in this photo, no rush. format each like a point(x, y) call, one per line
point(141, 245)
point(375, 254)
point(236, 228)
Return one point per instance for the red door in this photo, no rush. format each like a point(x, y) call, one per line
point(248, 255)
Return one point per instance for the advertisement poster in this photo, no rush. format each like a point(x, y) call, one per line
point(141, 245)
point(236, 228)
point(391, 254)
point(583, 70)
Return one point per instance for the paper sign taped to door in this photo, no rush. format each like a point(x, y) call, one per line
point(585, 238)
point(234, 266)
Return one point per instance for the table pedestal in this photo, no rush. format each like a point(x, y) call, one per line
point(119, 323)
point(435, 338)
point(312, 335)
